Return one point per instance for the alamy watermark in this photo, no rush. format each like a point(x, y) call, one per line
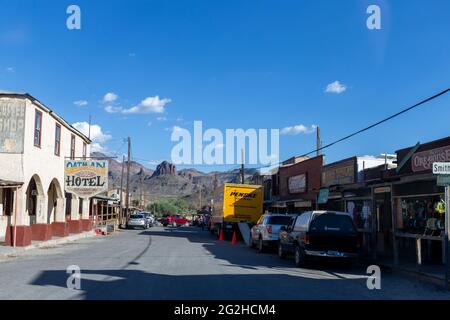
point(374, 280)
point(74, 280)
point(374, 20)
point(73, 21)
point(220, 148)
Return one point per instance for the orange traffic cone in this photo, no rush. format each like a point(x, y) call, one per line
point(221, 235)
point(234, 240)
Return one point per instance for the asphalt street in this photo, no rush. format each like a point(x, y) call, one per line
point(186, 263)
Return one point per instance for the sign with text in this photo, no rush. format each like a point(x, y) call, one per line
point(297, 184)
point(339, 173)
point(441, 168)
point(12, 124)
point(86, 178)
point(424, 160)
point(443, 180)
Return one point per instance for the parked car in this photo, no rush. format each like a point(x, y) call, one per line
point(266, 232)
point(323, 234)
point(164, 220)
point(176, 220)
point(150, 219)
point(137, 220)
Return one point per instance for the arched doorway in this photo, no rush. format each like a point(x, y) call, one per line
point(54, 194)
point(34, 196)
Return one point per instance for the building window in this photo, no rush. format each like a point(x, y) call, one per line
point(72, 147)
point(37, 128)
point(57, 139)
point(8, 202)
point(84, 150)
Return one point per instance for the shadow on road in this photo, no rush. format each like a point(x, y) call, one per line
point(244, 257)
point(139, 285)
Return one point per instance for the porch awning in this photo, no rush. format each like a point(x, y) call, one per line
point(10, 184)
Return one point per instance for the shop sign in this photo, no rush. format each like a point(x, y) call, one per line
point(297, 184)
point(443, 180)
point(441, 168)
point(424, 160)
point(341, 173)
point(12, 124)
point(323, 196)
point(382, 190)
point(86, 178)
point(302, 204)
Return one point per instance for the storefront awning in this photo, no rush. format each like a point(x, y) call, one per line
point(10, 184)
point(279, 205)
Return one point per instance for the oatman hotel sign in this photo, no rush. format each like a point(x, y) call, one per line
point(86, 178)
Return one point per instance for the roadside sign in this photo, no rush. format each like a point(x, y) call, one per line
point(441, 168)
point(86, 178)
point(443, 180)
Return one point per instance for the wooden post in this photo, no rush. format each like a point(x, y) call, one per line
point(447, 234)
point(394, 223)
point(374, 224)
point(15, 216)
point(419, 251)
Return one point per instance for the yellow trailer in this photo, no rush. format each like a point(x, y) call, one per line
point(235, 203)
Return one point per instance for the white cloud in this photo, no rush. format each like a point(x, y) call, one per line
point(80, 103)
point(335, 87)
point(98, 137)
point(161, 118)
point(11, 69)
point(149, 124)
point(132, 54)
point(149, 105)
point(113, 109)
point(110, 97)
point(298, 129)
point(175, 129)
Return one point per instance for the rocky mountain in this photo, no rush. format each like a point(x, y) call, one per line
point(166, 181)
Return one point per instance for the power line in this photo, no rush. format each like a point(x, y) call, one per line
point(379, 122)
point(368, 127)
point(356, 132)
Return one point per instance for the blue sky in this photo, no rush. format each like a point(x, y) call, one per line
point(234, 64)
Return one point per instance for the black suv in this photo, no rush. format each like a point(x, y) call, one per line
point(319, 234)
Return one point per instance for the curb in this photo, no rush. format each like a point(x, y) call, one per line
point(46, 244)
point(411, 274)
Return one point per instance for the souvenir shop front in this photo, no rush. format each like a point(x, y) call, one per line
point(418, 204)
point(419, 219)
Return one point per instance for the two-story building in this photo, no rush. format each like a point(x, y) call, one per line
point(34, 143)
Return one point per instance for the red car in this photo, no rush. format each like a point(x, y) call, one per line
point(176, 220)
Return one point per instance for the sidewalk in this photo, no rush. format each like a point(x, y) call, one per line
point(7, 251)
point(430, 273)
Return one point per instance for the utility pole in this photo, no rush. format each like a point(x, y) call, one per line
point(142, 201)
point(121, 190)
point(200, 196)
point(318, 144)
point(242, 168)
point(127, 199)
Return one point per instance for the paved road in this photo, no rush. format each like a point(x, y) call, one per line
point(165, 263)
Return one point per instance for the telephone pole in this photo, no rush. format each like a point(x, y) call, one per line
point(127, 199)
point(318, 143)
point(121, 191)
point(200, 196)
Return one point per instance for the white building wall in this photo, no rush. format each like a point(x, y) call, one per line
point(43, 162)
